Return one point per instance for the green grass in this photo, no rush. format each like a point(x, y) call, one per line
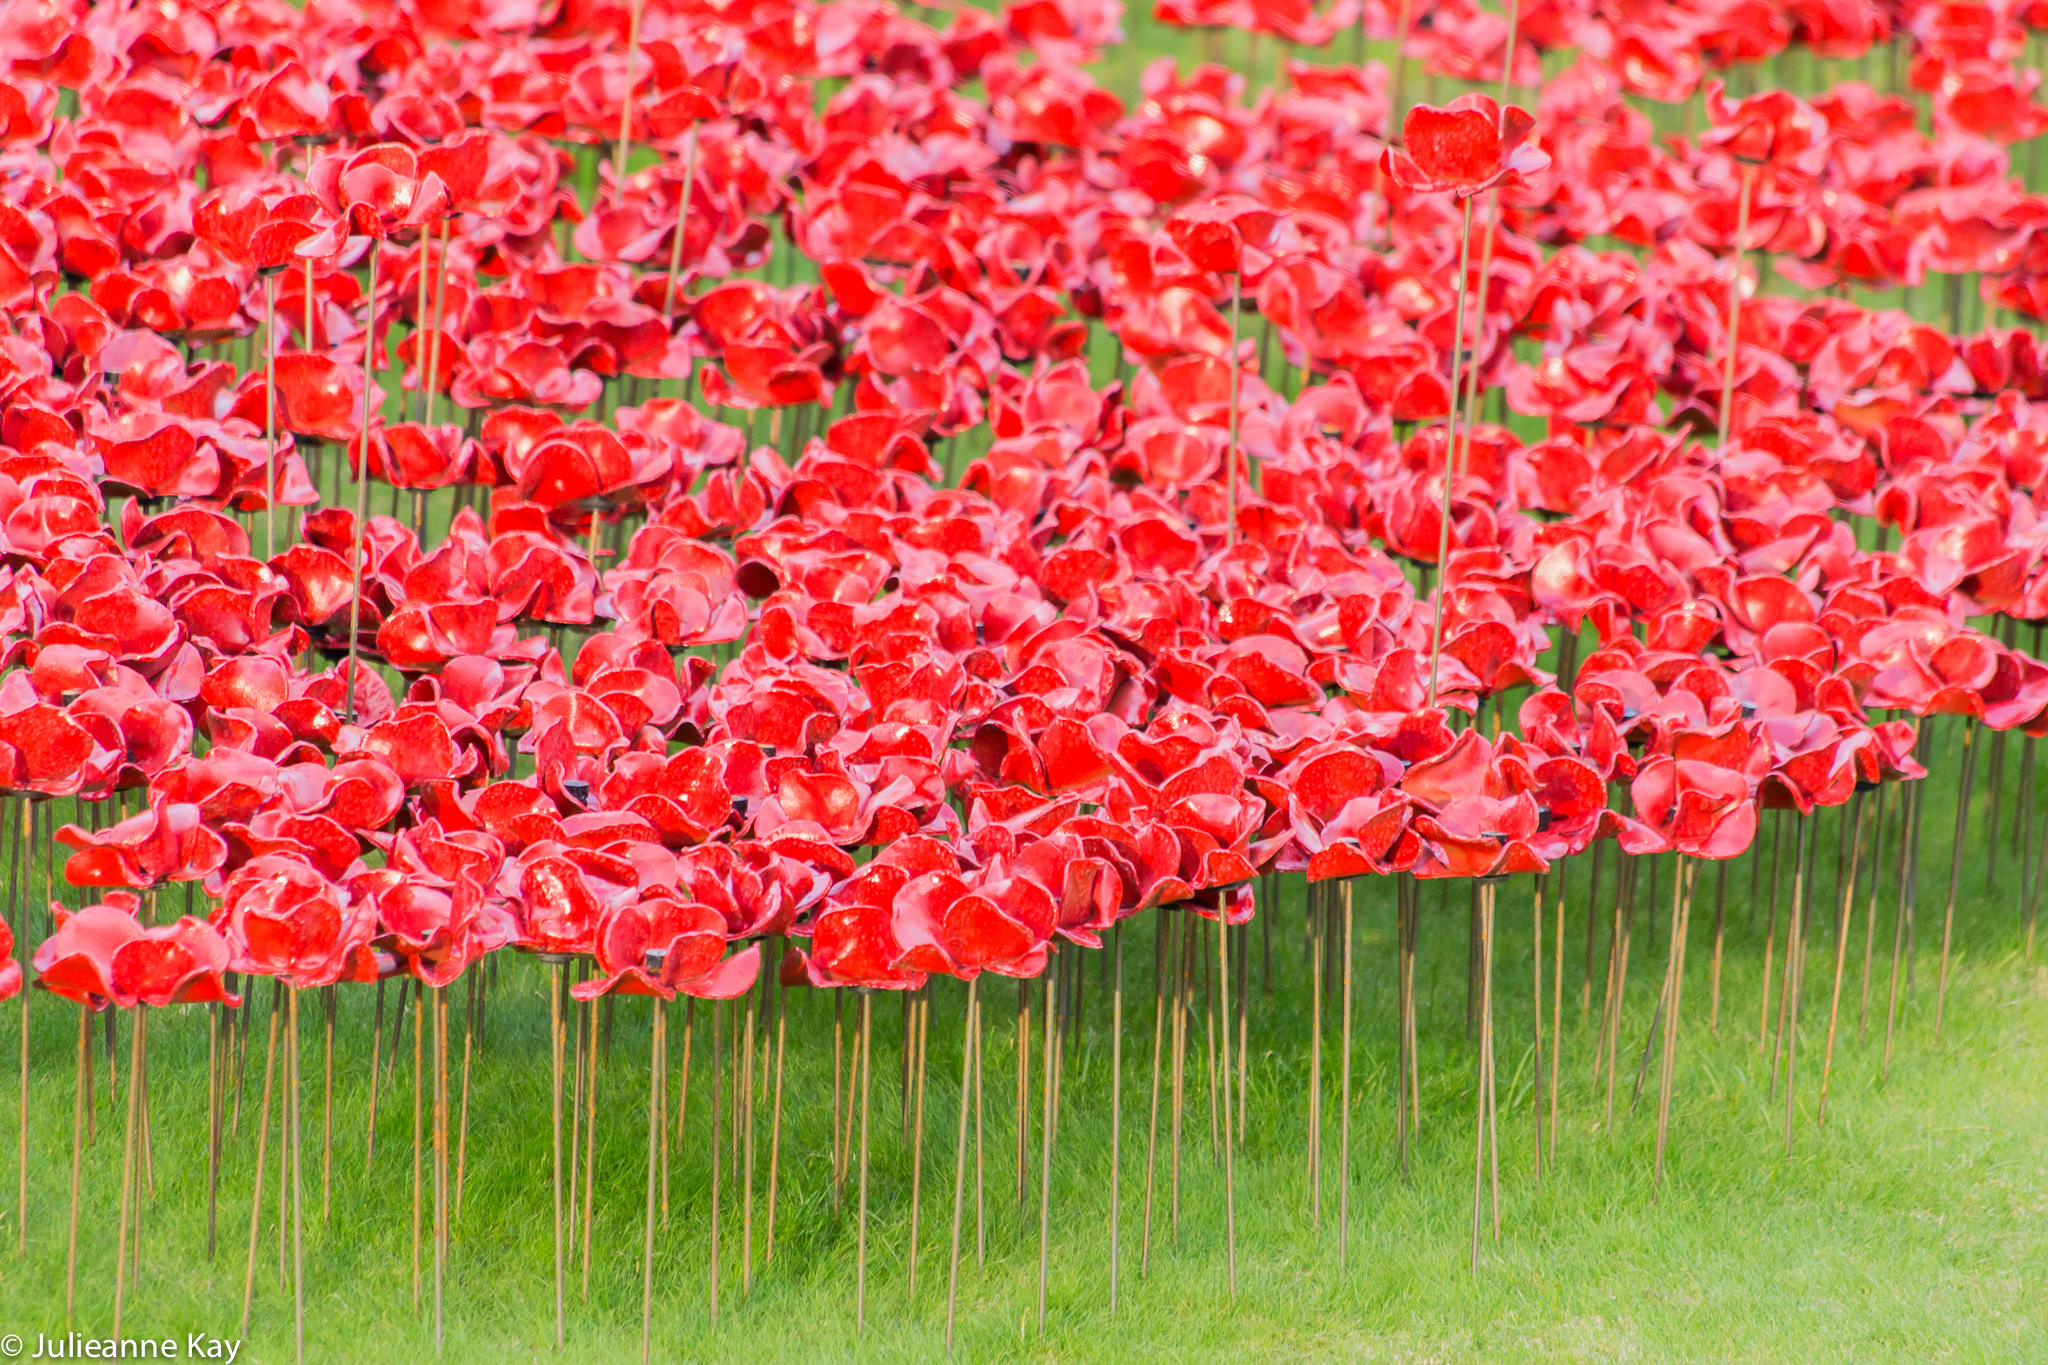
point(1905, 1229)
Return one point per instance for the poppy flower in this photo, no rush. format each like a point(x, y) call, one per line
point(437, 925)
point(1773, 127)
point(47, 750)
point(410, 455)
point(102, 956)
point(290, 103)
point(1702, 809)
point(663, 946)
point(316, 396)
point(168, 842)
point(1226, 235)
point(282, 918)
point(1466, 146)
point(380, 191)
point(854, 940)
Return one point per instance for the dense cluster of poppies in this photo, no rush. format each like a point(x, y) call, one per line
point(1107, 512)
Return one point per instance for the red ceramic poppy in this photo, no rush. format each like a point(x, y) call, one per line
point(1228, 234)
point(284, 919)
point(382, 189)
point(1774, 127)
point(1700, 808)
point(289, 103)
point(44, 749)
point(169, 842)
point(102, 956)
point(662, 946)
point(1463, 147)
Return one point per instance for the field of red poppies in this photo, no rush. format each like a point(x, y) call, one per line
point(735, 527)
